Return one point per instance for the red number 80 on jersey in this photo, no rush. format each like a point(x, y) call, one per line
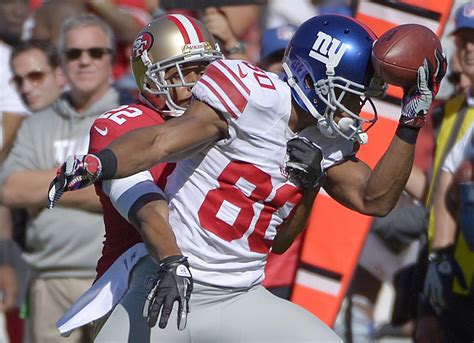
point(229, 194)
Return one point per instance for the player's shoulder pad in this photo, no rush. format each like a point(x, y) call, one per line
point(231, 86)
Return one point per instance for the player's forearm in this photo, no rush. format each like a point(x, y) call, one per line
point(388, 178)
point(152, 223)
point(24, 189)
point(177, 139)
point(292, 227)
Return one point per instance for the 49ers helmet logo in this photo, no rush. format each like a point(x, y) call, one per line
point(141, 43)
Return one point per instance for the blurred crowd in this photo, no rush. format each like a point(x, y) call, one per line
point(65, 62)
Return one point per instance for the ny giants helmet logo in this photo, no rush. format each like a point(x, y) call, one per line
point(141, 43)
point(327, 49)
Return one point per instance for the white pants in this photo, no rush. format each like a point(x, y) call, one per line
point(216, 315)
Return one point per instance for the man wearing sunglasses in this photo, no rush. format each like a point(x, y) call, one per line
point(37, 75)
point(13, 13)
point(62, 246)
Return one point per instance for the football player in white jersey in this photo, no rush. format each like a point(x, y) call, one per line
point(252, 151)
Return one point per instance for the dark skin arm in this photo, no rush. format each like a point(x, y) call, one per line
point(372, 192)
point(179, 138)
point(291, 228)
point(151, 221)
point(356, 186)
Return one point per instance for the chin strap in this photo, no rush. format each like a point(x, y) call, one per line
point(322, 122)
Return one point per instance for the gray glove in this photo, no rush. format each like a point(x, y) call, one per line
point(305, 163)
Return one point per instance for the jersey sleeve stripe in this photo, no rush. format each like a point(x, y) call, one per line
point(229, 88)
point(186, 27)
point(234, 75)
point(221, 99)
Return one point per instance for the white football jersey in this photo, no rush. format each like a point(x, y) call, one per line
point(227, 203)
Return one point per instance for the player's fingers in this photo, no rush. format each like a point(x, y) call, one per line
point(165, 313)
point(298, 155)
point(154, 313)
point(147, 305)
point(70, 165)
point(182, 313)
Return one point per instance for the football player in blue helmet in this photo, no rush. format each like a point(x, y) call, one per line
point(329, 58)
point(243, 128)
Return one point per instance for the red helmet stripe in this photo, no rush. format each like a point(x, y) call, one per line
point(189, 29)
point(181, 28)
point(197, 29)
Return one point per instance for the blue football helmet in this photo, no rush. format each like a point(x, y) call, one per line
point(328, 57)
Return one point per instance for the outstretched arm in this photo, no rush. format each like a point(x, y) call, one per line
point(372, 192)
point(139, 150)
point(177, 139)
point(376, 192)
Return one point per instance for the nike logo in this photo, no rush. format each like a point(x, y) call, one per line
point(241, 74)
point(102, 132)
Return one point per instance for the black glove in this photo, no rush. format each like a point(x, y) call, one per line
point(305, 163)
point(442, 269)
point(174, 282)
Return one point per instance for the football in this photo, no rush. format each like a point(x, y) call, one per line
point(399, 52)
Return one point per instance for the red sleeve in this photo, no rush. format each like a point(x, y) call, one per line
point(101, 134)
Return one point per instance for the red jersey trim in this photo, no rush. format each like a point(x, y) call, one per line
point(221, 99)
point(228, 87)
point(238, 79)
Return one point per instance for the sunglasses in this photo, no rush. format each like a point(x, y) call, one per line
point(35, 77)
point(454, 77)
point(95, 53)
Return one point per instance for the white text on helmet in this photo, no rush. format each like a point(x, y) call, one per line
point(327, 49)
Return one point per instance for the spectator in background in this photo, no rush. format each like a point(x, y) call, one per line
point(50, 15)
point(126, 18)
point(13, 14)
point(456, 76)
point(274, 42)
point(236, 28)
point(448, 284)
point(62, 246)
point(36, 73)
point(281, 12)
point(454, 301)
point(219, 26)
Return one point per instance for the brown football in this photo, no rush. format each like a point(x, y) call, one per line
point(400, 51)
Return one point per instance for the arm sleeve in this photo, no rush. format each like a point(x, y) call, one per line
point(126, 192)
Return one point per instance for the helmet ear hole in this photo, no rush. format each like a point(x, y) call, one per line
point(308, 81)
